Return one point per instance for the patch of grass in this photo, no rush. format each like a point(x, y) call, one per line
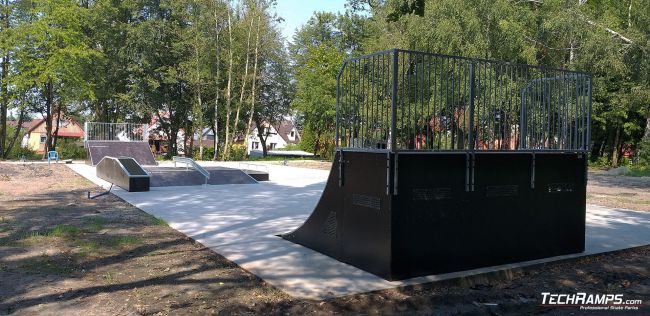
point(95, 247)
point(96, 224)
point(45, 264)
point(5, 229)
point(108, 277)
point(638, 171)
point(89, 248)
point(158, 221)
point(64, 231)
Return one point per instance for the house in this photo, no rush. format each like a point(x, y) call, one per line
point(207, 138)
point(36, 135)
point(279, 137)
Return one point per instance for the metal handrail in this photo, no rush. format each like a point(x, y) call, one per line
point(252, 166)
point(190, 162)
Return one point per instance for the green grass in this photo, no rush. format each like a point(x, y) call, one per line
point(638, 171)
point(106, 243)
point(57, 231)
point(158, 221)
point(95, 224)
point(45, 264)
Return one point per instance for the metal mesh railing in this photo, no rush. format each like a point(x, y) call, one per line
point(125, 132)
point(407, 100)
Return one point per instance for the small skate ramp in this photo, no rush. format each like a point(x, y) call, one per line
point(139, 151)
point(181, 176)
point(124, 172)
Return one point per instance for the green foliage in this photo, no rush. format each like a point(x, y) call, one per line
point(644, 152)
point(18, 152)
point(237, 152)
point(71, 150)
point(290, 147)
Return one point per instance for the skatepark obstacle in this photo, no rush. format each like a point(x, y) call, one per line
point(117, 139)
point(124, 172)
point(446, 163)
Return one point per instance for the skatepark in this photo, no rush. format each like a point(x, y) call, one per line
point(454, 199)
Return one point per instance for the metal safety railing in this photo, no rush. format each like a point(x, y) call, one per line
point(408, 100)
point(189, 162)
point(125, 132)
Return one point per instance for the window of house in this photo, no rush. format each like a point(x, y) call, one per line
point(256, 145)
point(43, 139)
point(293, 134)
point(272, 146)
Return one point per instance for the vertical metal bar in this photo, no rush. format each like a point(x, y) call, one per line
point(588, 140)
point(472, 91)
point(393, 102)
point(338, 103)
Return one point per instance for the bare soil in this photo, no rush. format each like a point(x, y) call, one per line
point(619, 191)
point(63, 254)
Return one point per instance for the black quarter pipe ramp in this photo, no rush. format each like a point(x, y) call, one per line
point(447, 164)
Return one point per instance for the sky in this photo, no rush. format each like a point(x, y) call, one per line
point(298, 12)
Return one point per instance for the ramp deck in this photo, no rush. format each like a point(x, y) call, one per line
point(181, 176)
point(139, 151)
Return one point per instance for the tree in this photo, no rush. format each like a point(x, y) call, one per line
point(316, 97)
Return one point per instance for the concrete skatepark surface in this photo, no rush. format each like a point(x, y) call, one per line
point(242, 221)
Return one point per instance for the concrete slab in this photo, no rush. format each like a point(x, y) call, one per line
point(241, 222)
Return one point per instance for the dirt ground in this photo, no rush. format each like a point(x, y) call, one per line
point(63, 254)
point(619, 191)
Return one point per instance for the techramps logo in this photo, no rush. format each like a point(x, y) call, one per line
point(595, 302)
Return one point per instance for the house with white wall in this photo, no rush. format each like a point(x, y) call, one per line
point(279, 136)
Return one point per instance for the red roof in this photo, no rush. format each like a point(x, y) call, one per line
point(68, 134)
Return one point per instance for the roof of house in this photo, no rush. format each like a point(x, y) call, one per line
point(35, 123)
point(27, 125)
point(284, 128)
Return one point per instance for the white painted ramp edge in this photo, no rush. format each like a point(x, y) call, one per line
point(241, 222)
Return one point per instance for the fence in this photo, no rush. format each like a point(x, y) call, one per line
point(408, 100)
point(126, 132)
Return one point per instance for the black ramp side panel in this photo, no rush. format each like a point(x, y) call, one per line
point(139, 151)
point(366, 210)
point(321, 230)
point(112, 170)
point(431, 218)
point(352, 222)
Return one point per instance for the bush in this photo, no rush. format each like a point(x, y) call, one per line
point(290, 147)
point(237, 152)
point(71, 150)
point(208, 153)
point(18, 152)
point(644, 153)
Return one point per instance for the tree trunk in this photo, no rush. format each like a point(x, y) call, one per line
point(228, 90)
point(243, 85)
point(21, 119)
point(253, 86)
point(56, 130)
point(48, 115)
point(615, 146)
point(261, 136)
point(215, 127)
point(4, 90)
